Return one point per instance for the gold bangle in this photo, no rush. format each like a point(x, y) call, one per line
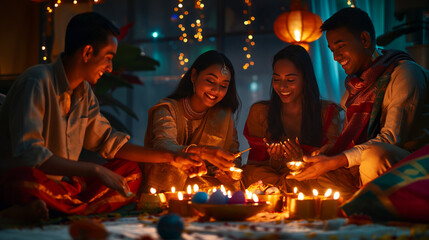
point(187, 148)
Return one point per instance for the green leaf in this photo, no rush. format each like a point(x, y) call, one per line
point(110, 82)
point(129, 58)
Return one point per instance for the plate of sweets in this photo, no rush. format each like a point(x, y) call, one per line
point(268, 193)
point(223, 208)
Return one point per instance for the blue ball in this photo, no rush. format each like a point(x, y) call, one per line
point(170, 226)
point(200, 197)
point(218, 198)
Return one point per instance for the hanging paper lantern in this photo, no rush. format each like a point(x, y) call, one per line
point(298, 27)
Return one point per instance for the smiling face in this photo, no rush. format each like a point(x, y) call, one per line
point(351, 52)
point(287, 81)
point(97, 64)
point(210, 87)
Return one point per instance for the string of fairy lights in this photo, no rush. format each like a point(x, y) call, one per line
point(189, 32)
point(250, 43)
point(50, 7)
point(351, 3)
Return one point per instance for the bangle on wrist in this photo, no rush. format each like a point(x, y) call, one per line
point(189, 146)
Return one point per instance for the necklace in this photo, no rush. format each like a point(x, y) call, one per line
point(191, 112)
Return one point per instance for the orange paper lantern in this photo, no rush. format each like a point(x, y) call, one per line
point(298, 27)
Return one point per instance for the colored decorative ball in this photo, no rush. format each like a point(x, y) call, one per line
point(238, 197)
point(200, 197)
point(170, 226)
point(87, 229)
point(218, 198)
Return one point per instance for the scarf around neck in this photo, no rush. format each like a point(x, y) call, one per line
point(363, 105)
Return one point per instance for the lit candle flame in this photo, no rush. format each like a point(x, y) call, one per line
point(152, 190)
point(315, 193)
point(196, 188)
point(336, 195)
point(222, 188)
point(234, 169)
point(255, 198)
point(189, 189)
point(180, 196)
point(248, 194)
point(229, 194)
point(301, 196)
point(295, 190)
point(162, 198)
point(173, 189)
point(328, 193)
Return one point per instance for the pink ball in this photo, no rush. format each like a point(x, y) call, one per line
point(237, 198)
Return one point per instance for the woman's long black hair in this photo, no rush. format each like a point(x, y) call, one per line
point(311, 127)
point(205, 60)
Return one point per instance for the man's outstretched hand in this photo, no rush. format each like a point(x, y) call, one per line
point(319, 165)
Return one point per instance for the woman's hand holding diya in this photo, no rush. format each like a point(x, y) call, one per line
point(190, 163)
point(214, 155)
point(283, 152)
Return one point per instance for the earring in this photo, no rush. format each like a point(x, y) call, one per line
point(224, 70)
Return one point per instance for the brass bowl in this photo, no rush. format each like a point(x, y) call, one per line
point(275, 200)
point(235, 173)
point(296, 167)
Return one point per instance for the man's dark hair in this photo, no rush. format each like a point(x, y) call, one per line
point(354, 19)
point(88, 28)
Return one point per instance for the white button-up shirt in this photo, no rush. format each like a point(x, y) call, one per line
point(34, 124)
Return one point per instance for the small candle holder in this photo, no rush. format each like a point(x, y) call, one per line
point(276, 202)
point(288, 199)
point(302, 208)
point(329, 206)
point(151, 203)
point(235, 173)
point(296, 167)
point(180, 207)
